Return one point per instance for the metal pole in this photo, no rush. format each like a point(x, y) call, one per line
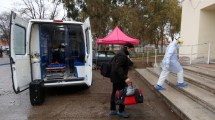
point(191, 52)
point(156, 56)
point(147, 57)
point(142, 55)
point(209, 52)
point(156, 65)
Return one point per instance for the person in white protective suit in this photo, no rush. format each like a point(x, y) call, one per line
point(170, 64)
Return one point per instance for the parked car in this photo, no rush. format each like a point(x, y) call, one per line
point(100, 57)
point(7, 51)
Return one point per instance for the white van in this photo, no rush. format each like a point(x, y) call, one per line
point(33, 44)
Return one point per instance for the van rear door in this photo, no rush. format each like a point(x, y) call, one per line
point(88, 58)
point(19, 54)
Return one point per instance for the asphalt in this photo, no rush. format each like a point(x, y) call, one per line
point(12, 106)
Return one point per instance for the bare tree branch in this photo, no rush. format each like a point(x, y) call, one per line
point(5, 25)
point(40, 8)
point(54, 12)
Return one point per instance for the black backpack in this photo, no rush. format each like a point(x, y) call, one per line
point(106, 69)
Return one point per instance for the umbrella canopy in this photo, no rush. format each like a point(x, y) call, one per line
point(117, 37)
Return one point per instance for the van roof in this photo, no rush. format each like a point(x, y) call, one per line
point(52, 21)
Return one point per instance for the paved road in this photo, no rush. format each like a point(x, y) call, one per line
point(12, 106)
point(76, 103)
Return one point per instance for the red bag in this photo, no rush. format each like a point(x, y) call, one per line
point(122, 99)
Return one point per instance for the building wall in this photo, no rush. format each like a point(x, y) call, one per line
point(198, 27)
point(207, 30)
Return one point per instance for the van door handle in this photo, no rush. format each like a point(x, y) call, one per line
point(11, 60)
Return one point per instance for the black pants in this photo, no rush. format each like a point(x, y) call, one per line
point(116, 86)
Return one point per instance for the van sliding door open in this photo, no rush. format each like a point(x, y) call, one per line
point(19, 57)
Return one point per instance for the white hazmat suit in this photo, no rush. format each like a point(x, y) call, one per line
point(170, 64)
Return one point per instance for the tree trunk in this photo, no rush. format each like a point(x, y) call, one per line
point(156, 43)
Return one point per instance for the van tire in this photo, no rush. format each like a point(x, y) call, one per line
point(37, 92)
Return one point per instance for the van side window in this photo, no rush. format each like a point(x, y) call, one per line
point(19, 43)
point(87, 40)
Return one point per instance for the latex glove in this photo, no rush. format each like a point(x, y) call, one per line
point(128, 81)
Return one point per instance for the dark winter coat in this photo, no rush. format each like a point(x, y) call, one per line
point(120, 66)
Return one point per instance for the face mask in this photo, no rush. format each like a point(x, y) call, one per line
point(130, 53)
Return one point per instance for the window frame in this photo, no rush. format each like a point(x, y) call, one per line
point(87, 40)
